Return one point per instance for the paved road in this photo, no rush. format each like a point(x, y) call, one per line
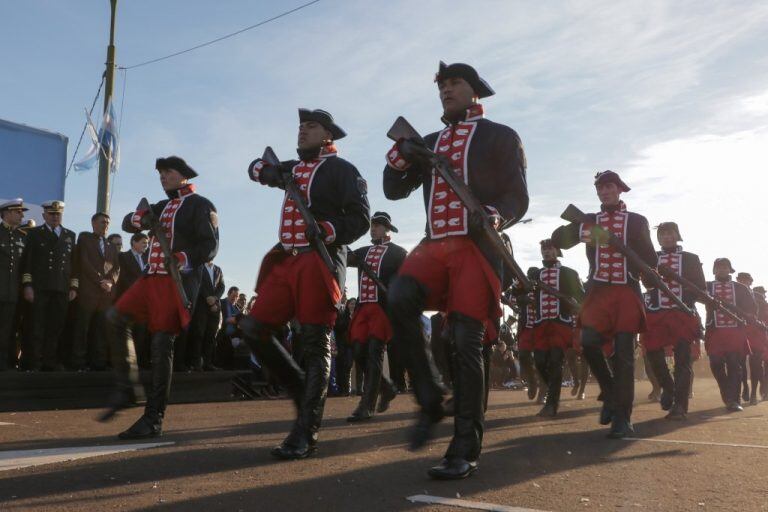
point(219, 460)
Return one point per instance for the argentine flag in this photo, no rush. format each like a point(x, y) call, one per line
point(105, 139)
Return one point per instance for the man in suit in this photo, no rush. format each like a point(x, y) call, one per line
point(133, 262)
point(206, 319)
point(97, 270)
point(48, 285)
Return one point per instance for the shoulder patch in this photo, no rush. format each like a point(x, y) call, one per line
point(362, 185)
point(214, 219)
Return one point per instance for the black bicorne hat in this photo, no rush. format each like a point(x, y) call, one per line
point(325, 119)
point(669, 226)
point(744, 275)
point(723, 260)
point(384, 219)
point(468, 73)
point(548, 243)
point(611, 177)
point(759, 290)
point(176, 163)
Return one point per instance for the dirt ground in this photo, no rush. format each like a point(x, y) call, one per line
point(220, 460)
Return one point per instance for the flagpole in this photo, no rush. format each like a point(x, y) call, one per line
point(105, 177)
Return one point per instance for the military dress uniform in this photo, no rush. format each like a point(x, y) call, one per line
point(370, 329)
point(191, 225)
point(294, 283)
point(553, 331)
point(613, 312)
point(48, 271)
point(12, 241)
point(726, 340)
point(669, 326)
point(454, 269)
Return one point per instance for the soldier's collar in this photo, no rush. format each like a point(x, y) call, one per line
point(186, 190)
point(473, 113)
point(618, 207)
point(723, 280)
point(551, 263)
point(676, 249)
point(381, 241)
point(307, 155)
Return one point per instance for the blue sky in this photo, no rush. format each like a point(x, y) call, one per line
point(673, 95)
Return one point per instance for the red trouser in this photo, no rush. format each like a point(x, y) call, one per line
point(668, 326)
point(611, 309)
point(551, 334)
point(719, 342)
point(369, 321)
point(153, 300)
point(457, 276)
point(295, 286)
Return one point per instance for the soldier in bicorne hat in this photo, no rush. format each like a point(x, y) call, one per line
point(191, 225)
point(612, 313)
point(370, 330)
point(454, 269)
point(726, 339)
point(294, 282)
point(669, 326)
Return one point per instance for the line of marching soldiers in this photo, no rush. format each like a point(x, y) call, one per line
point(460, 268)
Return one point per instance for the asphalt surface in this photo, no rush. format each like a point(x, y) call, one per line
point(220, 460)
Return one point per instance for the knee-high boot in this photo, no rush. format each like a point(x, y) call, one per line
point(624, 382)
point(592, 351)
point(658, 365)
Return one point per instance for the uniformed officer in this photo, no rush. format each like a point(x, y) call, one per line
point(11, 250)
point(48, 286)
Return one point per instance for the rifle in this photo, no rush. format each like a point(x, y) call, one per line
point(702, 295)
point(400, 130)
point(573, 214)
point(156, 227)
point(270, 157)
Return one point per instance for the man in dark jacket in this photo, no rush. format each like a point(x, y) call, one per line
point(370, 330)
point(97, 270)
point(453, 269)
point(12, 241)
point(294, 282)
point(613, 312)
point(206, 320)
point(190, 223)
point(48, 285)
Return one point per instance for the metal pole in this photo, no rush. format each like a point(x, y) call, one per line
point(105, 178)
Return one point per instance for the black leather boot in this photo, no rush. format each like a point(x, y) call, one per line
point(128, 390)
point(151, 423)
point(452, 469)
point(468, 388)
point(683, 377)
point(406, 303)
point(302, 441)
point(554, 365)
point(658, 365)
point(734, 363)
point(624, 382)
point(592, 351)
point(528, 371)
point(366, 356)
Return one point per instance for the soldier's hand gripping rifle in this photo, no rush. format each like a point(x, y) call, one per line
point(402, 130)
point(573, 303)
point(161, 235)
point(702, 295)
point(573, 214)
point(292, 190)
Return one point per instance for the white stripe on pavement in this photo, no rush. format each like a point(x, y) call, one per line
point(5, 423)
point(701, 443)
point(476, 505)
point(16, 459)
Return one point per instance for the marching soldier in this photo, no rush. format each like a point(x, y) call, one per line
point(294, 282)
point(12, 241)
point(761, 339)
point(453, 269)
point(370, 329)
point(190, 223)
point(48, 285)
point(753, 335)
point(553, 333)
point(669, 326)
point(612, 312)
point(524, 302)
point(725, 339)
